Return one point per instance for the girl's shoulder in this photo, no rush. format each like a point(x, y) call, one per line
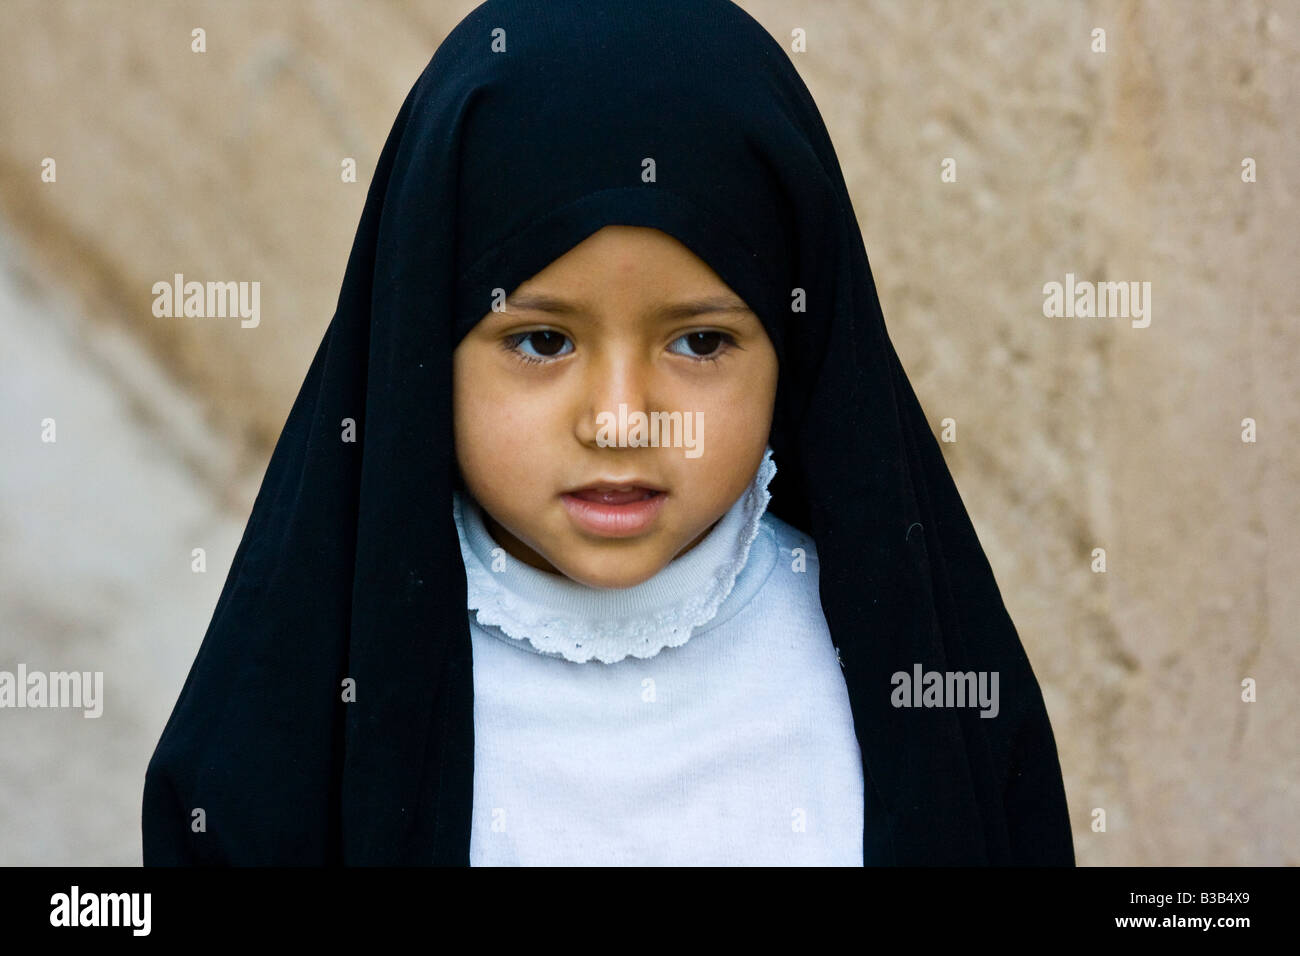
point(792, 543)
point(791, 587)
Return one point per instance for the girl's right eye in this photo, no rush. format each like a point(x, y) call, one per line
point(541, 345)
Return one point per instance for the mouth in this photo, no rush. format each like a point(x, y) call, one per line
point(615, 509)
point(616, 493)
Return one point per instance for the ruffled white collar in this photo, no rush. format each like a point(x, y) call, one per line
point(555, 616)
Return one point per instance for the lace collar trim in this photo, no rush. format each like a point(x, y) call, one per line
point(555, 616)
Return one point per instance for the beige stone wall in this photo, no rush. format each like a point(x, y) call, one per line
point(1072, 434)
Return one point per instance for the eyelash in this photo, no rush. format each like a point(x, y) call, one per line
point(512, 342)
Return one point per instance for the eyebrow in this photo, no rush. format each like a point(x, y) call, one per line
point(538, 302)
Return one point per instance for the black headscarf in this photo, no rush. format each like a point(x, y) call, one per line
point(534, 125)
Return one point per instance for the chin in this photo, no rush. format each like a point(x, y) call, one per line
point(608, 573)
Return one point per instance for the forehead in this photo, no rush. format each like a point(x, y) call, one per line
point(618, 266)
point(628, 253)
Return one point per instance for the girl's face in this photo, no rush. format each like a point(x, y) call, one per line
point(629, 317)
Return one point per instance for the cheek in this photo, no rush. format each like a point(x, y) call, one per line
point(499, 426)
point(733, 416)
point(737, 422)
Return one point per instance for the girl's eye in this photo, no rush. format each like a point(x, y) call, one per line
point(544, 345)
point(538, 346)
point(704, 346)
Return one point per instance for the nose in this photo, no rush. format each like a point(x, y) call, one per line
point(611, 377)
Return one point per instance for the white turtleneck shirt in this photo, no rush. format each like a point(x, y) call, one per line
point(698, 718)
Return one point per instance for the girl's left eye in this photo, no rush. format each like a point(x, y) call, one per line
point(704, 346)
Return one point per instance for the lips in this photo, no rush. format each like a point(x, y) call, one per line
point(615, 509)
point(614, 495)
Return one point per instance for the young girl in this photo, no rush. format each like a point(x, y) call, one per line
point(606, 527)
